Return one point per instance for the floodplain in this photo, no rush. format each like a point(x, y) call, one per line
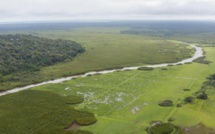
point(123, 102)
point(127, 101)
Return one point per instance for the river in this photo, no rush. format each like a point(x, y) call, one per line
point(198, 53)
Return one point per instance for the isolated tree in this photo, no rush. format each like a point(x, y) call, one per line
point(188, 99)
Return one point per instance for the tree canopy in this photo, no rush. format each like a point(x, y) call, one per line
point(27, 53)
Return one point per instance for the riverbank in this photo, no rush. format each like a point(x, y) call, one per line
point(198, 53)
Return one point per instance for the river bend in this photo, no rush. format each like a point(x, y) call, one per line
point(198, 53)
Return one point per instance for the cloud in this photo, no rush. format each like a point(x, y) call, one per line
point(101, 9)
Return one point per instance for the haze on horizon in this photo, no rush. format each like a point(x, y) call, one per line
point(72, 10)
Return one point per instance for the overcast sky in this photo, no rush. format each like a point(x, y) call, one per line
point(58, 10)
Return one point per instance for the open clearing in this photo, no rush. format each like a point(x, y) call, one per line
point(126, 102)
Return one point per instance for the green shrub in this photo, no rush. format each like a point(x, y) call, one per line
point(171, 119)
point(188, 99)
point(202, 96)
point(188, 63)
point(202, 60)
point(145, 68)
point(211, 77)
point(186, 89)
point(163, 128)
point(166, 103)
point(178, 105)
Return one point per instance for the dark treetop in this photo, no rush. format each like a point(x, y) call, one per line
point(27, 53)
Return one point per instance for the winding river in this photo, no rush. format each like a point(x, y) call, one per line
point(198, 53)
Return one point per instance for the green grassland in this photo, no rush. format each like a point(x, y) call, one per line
point(41, 112)
point(126, 102)
point(123, 102)
point(105, 48)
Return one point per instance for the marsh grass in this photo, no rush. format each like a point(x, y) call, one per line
point(41, 112)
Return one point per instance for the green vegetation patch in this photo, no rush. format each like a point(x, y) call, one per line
point(188, 99)
point(21, 54)
point(166, 103)
point(202, 60)
point(210, 81)
point(145, 68)
point(202, 96)
point(164, 128)
point(186, 89)
point(41, 112)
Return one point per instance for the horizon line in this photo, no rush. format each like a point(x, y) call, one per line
point(101, 21)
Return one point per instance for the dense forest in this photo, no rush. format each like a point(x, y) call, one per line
point(26, 53)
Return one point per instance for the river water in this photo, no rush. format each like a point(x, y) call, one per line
point(198, 53)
